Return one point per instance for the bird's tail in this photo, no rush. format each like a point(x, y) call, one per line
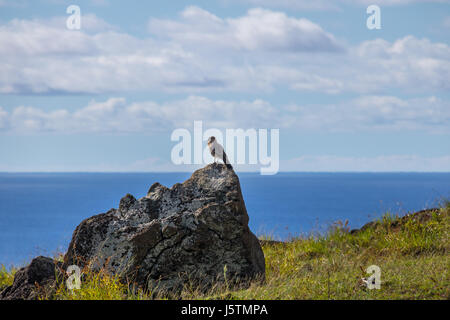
point(226, 161)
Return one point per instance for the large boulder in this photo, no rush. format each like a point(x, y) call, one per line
point(195, 234)
point(36, 280)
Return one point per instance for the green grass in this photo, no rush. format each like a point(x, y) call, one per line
point(413, 254)
point(6, 277)
point(413, 257)
point(96, 286)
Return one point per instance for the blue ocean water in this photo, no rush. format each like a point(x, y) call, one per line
point(39, 212)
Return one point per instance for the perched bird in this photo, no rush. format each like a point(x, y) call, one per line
point(217, 152)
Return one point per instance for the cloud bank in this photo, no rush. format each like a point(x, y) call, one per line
point(199, 52)
point(333, 4)
point(115, 115)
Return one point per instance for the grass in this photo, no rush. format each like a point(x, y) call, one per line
point(6, 277)
point(95, 286)
point(412, 253)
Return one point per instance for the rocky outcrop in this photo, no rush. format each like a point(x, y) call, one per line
point(33, 281)
point(195, 233)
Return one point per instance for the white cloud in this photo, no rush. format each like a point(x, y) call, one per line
point(258, 30)
point(332, 4)
point(308, 163)
point(145, 165)
point(372, 113)
point(26, 38)
point(410, 63)
point(391, 2)
point(327, 163)
point(388, 163)
point(295, 4)
point(3, 119)
point(115, 115)
point(199, 52)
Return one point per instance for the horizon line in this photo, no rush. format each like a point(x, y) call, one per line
point(146, 172)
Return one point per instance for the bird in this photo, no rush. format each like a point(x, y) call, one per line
point(218, 152)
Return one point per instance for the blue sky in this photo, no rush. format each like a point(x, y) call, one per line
point(107, 97)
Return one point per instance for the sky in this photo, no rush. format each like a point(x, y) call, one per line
point(107, 97)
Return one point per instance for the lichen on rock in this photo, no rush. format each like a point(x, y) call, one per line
point(175, 236)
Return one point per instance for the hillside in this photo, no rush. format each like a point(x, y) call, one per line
point(411, 251)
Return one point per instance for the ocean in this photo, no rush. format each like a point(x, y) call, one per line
point(39, 211)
